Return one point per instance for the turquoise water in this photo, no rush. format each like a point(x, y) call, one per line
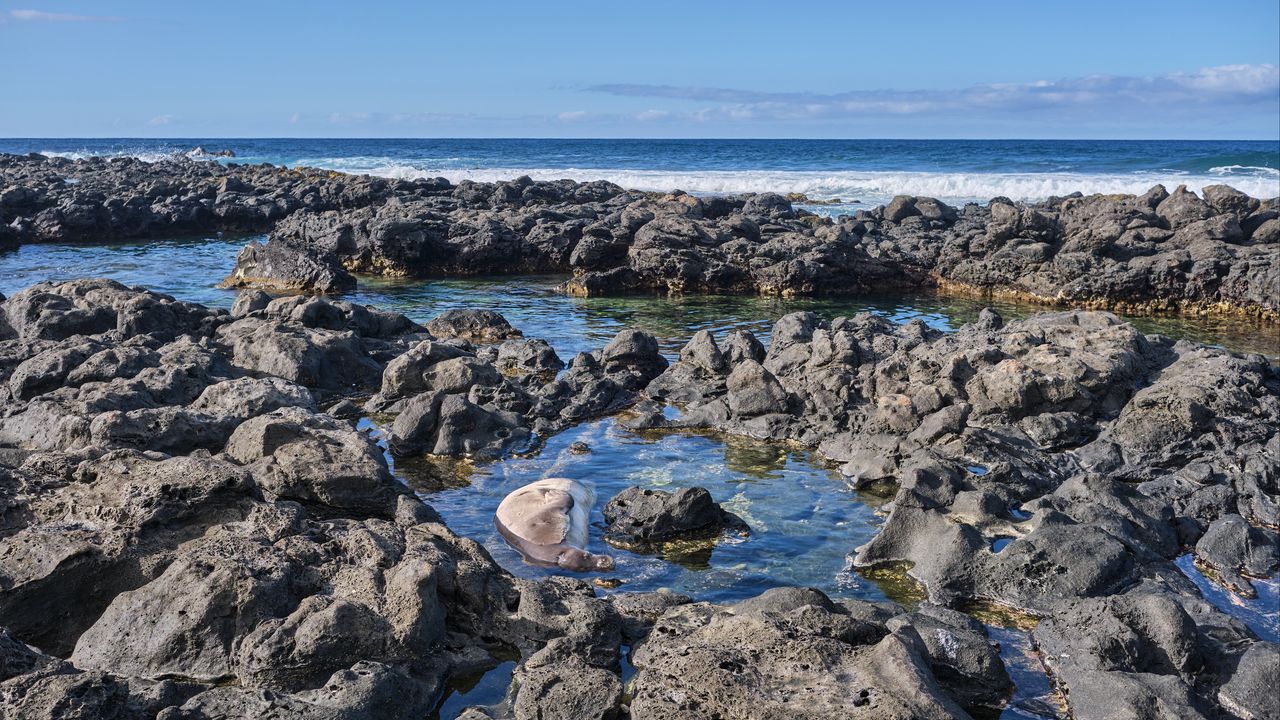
point(191, 270)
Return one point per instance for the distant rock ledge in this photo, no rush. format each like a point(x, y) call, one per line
point(1159, 252)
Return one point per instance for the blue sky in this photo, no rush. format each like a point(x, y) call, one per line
point(651, 69)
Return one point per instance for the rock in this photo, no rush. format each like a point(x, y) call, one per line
point(519, 357)
point(642, 519)
point(464, 428)
point(315, 357)
point(1225, 199)
point(1235, 551)
point(634, 354)
point(318, 461)
point(753, 391)
point(277, 266)
point(478, 326)
point(249, 302)
point(811, 660)
point(1125, 656)
point(964, 661)
point(1250, 693)
point(345, 410)
point(1182, 208)
point(556, 682)
point(900, 208)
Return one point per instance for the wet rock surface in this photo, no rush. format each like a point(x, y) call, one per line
point(1160, 251)
point(641, 518)
point(1095, 454)
point(185, 534)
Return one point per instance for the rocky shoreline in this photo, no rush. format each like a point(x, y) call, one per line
point(191, 526)
point(1160, 252)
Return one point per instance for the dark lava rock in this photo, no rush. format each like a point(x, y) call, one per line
point(477, 326)
point(1093, 452)
point(641, 518)
point(1154, 252)
point(790, 652)
point(182, 535)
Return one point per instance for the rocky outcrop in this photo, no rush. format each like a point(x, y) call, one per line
point(1150, 253)
point(1094, 454)
point(1157, 252)
point(95, 199)
point(184, 535)
point(787, 653)
point(452, 399)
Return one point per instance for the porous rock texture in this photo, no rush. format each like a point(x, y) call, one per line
point(183, 534)
point(1218, 252)
point(1100, 453)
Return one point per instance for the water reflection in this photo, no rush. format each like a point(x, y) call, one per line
point(486, 689)
point(1260, 614)
point(191, 269)
point(804, 519)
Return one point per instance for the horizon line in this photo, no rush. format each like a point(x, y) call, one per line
point(638, 138)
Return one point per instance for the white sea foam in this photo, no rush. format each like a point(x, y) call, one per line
point(851, 188)
point(1254, 170)
point(150, 156)
point(867, 187)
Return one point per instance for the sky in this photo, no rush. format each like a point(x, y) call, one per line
point(743, 69)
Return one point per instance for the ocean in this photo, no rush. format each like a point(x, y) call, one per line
point(848, 173)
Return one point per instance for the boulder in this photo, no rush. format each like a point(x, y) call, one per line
point(642, 519)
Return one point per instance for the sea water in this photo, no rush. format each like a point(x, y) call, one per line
point(852, 174)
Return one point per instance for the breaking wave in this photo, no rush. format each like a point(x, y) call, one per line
point(868, 187)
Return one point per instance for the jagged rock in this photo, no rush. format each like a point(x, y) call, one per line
point(641, 518)
point(478, 326)
point(314, 459)
point(787, 653)
point(277, 266)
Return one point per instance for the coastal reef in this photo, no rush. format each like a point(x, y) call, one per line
point(1158, 252)
point(194, 525)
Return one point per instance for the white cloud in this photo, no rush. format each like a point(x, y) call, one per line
point(572, 116)
point(1228, 85)
point(159, 120)
point(651, 115)
point(42, 16)
point(384, 118)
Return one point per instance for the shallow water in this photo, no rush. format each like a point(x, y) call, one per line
point(487, 688)
point(1261, 614)
point(1034, 697)
point(191, 270)
point(805, 521)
